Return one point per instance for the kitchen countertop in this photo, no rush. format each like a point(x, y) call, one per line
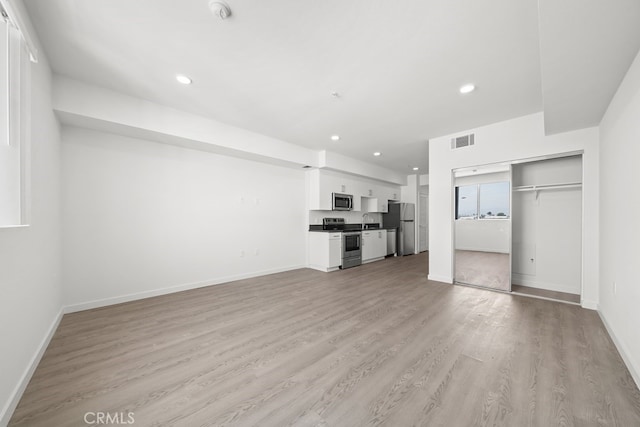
point(348, 228)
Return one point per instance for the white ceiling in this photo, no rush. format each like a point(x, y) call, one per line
point(587, 48)
point(272, 66)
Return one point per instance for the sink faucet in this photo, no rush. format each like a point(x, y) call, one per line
point(365, 215)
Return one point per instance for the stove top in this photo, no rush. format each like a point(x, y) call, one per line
point(333, 223)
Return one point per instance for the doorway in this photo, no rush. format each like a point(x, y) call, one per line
point(423, 219)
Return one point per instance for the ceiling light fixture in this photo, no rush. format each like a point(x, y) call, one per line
point(416, 168)
point(219, 9)
point(377, 153)
point(335, 137)
point(467, 88)
point(181, 78)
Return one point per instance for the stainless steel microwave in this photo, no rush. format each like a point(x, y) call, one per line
point(341, 202)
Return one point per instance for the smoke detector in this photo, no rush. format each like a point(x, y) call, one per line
point(219, 9)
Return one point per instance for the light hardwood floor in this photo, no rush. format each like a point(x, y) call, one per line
point(372, 345)
point(487, 269)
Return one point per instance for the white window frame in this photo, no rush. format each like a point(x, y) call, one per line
point(19, 53)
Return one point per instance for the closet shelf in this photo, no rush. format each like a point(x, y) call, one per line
point(547, 186)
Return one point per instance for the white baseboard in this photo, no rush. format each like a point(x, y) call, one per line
point(486, 249)
point(436, 278)
point(591, 305)
point(622, 349)
point(172, 289)
point(16, 395)
point(322, 268)
point(532, 283)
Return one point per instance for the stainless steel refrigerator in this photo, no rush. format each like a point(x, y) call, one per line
point(402, 216)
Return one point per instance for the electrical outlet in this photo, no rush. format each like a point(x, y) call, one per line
point(615, 287)
point(241, 253)
point(257, 252)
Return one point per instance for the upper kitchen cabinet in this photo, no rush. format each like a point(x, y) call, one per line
point(368, 195)
point(374, 204)
point(322, 185)
point(381, 192)
point(377, 197)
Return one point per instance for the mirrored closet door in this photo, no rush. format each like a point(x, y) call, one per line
point(482, 227)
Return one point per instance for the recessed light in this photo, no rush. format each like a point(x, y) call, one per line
point(416, 168)
point(467, 88)
point(377, 153)
point(181, 78)
point(335, 137)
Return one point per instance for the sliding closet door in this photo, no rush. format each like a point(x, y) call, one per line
point(482, 228)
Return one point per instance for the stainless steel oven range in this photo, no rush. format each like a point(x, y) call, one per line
point(351, 241)
point(351, 248)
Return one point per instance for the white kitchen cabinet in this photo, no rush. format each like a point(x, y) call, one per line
point(381, 250)
point(374, 204)
point(374, 245)
point(368, 196)
point(325, 251)
point(368, 246)
point(322, 185)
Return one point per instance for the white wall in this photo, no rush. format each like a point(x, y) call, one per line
point(548, 230)
point(90, 106)
point(506, 141)
point(142, 218)
point(10, 181)
point(486, 235)
point(619, 207)
point(30, 280)
point(338, 162)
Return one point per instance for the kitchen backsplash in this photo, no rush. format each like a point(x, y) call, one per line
point(315, 217)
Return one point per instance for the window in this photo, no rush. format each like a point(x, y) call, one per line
point(14, 117)
point(483, 201)
point(467, 202)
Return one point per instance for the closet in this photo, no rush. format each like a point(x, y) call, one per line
point(518, 227)
point(547, 228)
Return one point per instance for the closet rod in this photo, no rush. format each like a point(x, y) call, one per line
point(547, 187)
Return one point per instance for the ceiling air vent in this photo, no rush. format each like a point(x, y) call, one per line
point(462, 141)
